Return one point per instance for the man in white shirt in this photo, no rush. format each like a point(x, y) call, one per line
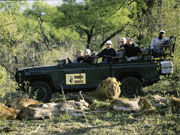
point(156, 44)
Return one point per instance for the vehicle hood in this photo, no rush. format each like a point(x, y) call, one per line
point(40, 68)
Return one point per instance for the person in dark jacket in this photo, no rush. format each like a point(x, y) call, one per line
point(86, 58)
point(131, 51)
point(107, 53)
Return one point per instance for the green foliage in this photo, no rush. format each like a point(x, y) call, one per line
point(3, 75)
point(25, 34)
point(6, 84)
point(12, 7)
point(9, 31)
point(90, 18)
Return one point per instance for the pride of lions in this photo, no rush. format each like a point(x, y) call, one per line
point(108, 89)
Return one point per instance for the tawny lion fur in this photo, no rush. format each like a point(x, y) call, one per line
point(157, 101)
point(174, 104)
point(7, 113)
point(125, 104)
point(42, 111)
point(107, 89)
point(19, 103)
point(146, 106)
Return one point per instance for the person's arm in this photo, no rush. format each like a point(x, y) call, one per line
point(101, 54)
point(138, 50)
point(168, 40)
point(152, 44)
point(80, 59)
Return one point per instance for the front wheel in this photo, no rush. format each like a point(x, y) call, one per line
point(40, 91)
point(131, 87)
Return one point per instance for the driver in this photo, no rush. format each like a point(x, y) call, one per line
point(156, 44)
point(107, 53)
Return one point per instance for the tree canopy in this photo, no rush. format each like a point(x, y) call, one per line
point(30, 33)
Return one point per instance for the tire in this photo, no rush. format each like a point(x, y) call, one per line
point(131, 87)
point(40, 91)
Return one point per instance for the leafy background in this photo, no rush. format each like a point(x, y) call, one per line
point(38, 34)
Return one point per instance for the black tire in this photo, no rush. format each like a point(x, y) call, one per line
point(131, 87)
point(40, 91)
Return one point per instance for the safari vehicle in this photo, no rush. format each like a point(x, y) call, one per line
point(71, 77)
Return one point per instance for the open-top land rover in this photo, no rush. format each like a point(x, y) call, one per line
point(70, 77)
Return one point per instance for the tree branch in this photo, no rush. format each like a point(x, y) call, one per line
point(113, 34)
point(8, 70)
point(85, 30)
point(45, 38)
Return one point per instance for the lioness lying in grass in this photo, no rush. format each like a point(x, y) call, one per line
point(7, 113)
point(144, 105)
point(74, 108)
point(21, 102)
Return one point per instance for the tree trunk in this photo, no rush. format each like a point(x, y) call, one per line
point(45, 38)
point(89, 37)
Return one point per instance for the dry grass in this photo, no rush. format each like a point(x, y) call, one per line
point(110, 122)
point(106, 123)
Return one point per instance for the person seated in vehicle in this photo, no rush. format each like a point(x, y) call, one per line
point(86, 58)
point(121, 51)
point(78, 54)
point(123, 42)
point(107, 53)
point(156, 44)
point(131, 50)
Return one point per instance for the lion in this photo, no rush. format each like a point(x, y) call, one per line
point(7, 113)
point(21, 102)
point(145, 106)
point(47, 110)
point(174, 104)
point(35, 111)
point(157, 101)
point(107, 89)
point(125, 105)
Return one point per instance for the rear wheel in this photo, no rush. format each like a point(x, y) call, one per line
point(40, 91)
point(131, 87)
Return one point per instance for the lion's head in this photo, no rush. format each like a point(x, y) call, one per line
point(110, 87)
point(20, 102)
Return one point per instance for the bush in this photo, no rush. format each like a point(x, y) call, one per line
point(7, 85)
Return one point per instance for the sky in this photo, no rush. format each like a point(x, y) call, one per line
point(50, 2)
point(53, 2)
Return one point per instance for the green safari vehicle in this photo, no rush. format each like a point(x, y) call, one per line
point(73, 77)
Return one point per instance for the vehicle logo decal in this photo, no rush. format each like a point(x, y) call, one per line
point(72, 79)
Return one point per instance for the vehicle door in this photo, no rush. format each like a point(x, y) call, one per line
point(79, 76)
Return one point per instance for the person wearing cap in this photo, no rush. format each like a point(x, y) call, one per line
point(156, 44)
point(107, 53)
